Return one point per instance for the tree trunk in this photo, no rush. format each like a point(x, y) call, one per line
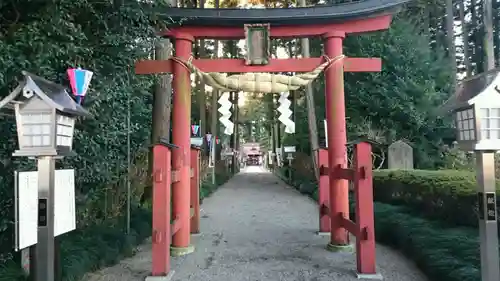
point(477, 56)
point(465, 38)
point(311, 107)
point(162, 97)
point(427, 24)
point(442, 41)
point(488, 35)
point(236, 140)
point(293, 94)
point(162, 105)
point(450, 36)
point(162, 100)
point(272, 122)
point(215, 95)
point(278, 127)
point(496, 27)
point(201, 86)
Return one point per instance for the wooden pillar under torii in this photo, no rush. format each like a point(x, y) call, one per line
point(231, 118)
point(232, 138)
point(294, 97)
point(272, 125)
point(236, 135)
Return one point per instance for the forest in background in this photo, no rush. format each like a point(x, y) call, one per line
point(420, 57)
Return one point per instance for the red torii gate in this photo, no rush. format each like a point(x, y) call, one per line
point(333, 201)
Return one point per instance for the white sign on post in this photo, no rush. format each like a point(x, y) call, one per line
point(326, 133)
point(197, 141)
point(27, 206)
point(289, 149)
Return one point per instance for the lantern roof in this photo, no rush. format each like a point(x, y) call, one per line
point(484, 86)
point(53, 94)
point(320, 14)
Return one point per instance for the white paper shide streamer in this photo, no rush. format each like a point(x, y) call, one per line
point(284, 109)
point(225, 110)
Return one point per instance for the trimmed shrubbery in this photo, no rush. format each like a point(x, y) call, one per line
point(428, 215)
point(443, 254)
point(88, 249)
point(446, 195)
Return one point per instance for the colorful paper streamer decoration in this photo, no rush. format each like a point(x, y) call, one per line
point(209, 140)
point(79, 80)
point(195, 129)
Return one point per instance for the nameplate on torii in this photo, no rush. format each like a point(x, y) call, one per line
point(257, 43)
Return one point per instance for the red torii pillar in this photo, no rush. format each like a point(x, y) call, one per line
point(163, 228)
point(337, 139)
point(181, 136)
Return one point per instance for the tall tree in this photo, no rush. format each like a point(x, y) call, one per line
point(201, 84)
point(477, 39)
point(465, 38)
point(162, 101)
point(215, 94)
point(450, 35)
point(496, 27)
point(488, 34)
point(311, 107)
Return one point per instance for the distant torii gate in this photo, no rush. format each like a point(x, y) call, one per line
point(333, 201)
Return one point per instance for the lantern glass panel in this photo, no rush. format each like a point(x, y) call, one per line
point(35, 129)
point(465, 124)
point(490, 123)
point(65, 128)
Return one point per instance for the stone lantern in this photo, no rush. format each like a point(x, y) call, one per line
point(477, 113)
point(45, 117)
point(476, 110)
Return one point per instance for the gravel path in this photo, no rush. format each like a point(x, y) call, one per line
point(257, 228)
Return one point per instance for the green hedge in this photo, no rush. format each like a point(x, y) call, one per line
point(88, 249)
point(446, 195)
point(442, 253)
